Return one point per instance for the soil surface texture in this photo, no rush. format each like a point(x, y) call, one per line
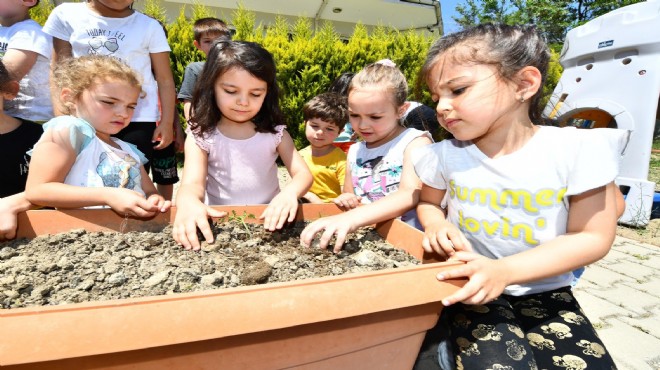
point(80, 266)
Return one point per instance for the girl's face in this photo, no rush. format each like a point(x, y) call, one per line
point(472, 99)
point(112, 8)
point(373, 115)
point(239, 95)
point(108, 106)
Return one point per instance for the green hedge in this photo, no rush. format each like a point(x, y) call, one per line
point(307, 59)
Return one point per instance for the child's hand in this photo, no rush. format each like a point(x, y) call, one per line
point(347, 201)
point(160, 202)
point(281, 209)
point(487, 279)
point(445, 239)
point(163, 137)
point(8, 221)
point(130, 203)
point(190, 217)
point(337, 225)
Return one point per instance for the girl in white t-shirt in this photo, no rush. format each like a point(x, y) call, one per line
point(379, 172)
point(525, 205)
point(77, 162)
point(235, 135)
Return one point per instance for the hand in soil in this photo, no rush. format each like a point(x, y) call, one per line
point(281, 209)
point(190, 219)
point(338, 227)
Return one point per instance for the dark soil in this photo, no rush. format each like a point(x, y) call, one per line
point(80, 266)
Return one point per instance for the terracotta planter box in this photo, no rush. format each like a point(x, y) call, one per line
point(374, 320)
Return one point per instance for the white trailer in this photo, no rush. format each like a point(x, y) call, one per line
point(611, 79)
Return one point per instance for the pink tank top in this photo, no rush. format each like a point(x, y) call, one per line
point(241, 171)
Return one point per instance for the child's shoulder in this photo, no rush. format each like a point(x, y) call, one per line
point(26, 24)
point(71, 123)
point(410, 134)
point(69, 7)
point(196, 66)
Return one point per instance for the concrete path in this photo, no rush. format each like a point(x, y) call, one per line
point(620, 294)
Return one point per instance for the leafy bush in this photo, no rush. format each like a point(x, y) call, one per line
point(307, 59)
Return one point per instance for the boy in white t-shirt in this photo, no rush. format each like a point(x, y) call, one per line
point(26, 50)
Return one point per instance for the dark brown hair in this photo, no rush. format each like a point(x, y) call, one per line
point(223, 56)
point(210, 26)
point(508, 48)
point(328, 107)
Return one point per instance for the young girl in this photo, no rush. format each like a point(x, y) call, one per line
point(378, 169)
point(17, 136)
point(236, 134)
point(112, 27)
point(77, 163)
point(526, 204)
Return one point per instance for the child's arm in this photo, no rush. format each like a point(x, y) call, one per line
point(10, 207)
point(52, 158)
point(19, 62)
point(191, 212)
point(62, 49)
point(283, 207)
point(312, 198)
point(590, 232)
point(186, 109)
point(347, 200)
point(390, 206)
point(179, 136)
point(160, 64)
point(187, 88)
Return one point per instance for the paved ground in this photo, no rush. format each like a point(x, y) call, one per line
point(621, 296)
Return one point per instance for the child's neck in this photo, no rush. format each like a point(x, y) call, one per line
point(321, 151)
point(10, 21)
point(237, 130)
point(390, 136)
point(104, 11)
point(504, 142)
point(8, 123)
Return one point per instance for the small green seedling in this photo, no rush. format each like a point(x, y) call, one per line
point(235, 217)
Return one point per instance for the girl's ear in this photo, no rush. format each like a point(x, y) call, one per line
point(67, 99)
point(29, 3)
point(403, 108)
point(529, 82)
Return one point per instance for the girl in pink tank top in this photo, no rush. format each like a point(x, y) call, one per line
point(235, 135)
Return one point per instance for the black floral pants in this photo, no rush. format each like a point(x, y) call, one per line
point(539, 331)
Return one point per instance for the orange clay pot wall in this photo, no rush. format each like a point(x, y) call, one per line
point(374, 320)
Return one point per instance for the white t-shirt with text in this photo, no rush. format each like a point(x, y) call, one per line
point(131, 39)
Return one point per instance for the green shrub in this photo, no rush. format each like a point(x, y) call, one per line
point(307, 59)
point(41, 12)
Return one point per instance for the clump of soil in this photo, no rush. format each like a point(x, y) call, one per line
point(80, 266)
